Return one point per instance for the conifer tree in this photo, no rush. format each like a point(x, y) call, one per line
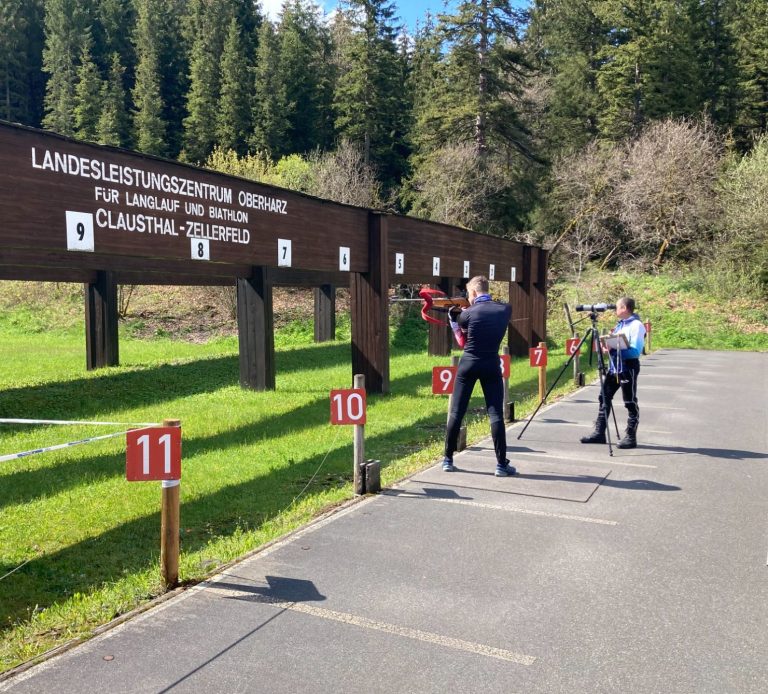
point(111, 34)
point(13, 85)
point(206, 26)
point(234, 123)
point(564, 39)
point(270, 123)
point(149, 126)
point(649, 69)
point(752, 51)
point(66, 24)
point(113, 122)
point(368, 95)
point(304, 46)
point(716, 55)
point(87, 109)
point(478, 96)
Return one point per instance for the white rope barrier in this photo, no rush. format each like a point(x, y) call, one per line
point(63, 421)
point(23, 454)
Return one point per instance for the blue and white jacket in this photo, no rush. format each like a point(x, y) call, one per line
point(633, 329)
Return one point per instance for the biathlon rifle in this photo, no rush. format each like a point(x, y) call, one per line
point(436, 300)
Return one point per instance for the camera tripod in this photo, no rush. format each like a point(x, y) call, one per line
point(591, 336)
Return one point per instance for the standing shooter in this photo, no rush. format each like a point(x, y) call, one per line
point(479, 330)
point(623, 369)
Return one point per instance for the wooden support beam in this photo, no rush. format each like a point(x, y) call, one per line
point(440, 336)
point(325, 313)
point(101, 341)
point(256, 332)
point(539, 298)
point(369, 308)
point(519, 335)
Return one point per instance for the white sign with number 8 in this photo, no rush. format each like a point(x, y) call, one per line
point(201, 249)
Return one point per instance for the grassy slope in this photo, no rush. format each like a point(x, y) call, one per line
point(90, 539)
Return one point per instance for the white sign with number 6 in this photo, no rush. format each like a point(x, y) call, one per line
point(344, 258)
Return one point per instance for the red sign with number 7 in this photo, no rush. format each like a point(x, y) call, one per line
point(538, 356)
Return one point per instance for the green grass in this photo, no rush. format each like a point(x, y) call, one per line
point(693, 308)
point(90, 539)
point(87, 541)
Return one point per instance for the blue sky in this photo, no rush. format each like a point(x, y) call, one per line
point(409, 11)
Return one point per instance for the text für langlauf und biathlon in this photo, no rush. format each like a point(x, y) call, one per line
point(149, 224)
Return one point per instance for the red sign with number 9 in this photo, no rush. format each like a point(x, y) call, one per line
point(443, 378)
point(348, 406)
point(538, 356)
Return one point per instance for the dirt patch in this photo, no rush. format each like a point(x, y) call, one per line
point(197, 314)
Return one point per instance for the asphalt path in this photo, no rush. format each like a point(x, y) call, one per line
point(644, 571)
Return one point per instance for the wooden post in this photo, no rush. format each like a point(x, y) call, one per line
point(542, 376)
point(325, 313)
point(648, 335)
point(256, 333)
point(461, 443)
point(369, 310)
point(576, 365)
point(509, 408)
point(101, 341)
point(169, 526)
point(358, 474)
point(440, 339)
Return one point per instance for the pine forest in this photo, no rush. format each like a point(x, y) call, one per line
point(617, 132)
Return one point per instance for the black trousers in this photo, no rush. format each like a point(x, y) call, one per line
point(488, 372)
point(627, 382)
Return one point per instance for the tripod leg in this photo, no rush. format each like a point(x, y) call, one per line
point(603, 376)
point(554, 383)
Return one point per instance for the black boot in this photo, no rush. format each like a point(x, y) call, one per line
point(598, 435)
point(630, 437)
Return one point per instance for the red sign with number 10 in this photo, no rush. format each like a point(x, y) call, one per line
point(348, 406)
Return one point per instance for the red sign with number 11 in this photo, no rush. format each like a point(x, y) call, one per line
point(153, 453)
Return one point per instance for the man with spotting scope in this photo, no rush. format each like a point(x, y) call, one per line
point(623, 369)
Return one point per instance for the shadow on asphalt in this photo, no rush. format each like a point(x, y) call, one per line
point(727, 453)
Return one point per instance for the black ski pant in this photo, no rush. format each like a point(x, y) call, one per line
point(627, 382)
point(488, 372)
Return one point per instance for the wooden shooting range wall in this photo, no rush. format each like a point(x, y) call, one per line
point(79, 212)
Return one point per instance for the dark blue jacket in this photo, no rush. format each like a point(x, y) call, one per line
point(485, 323)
